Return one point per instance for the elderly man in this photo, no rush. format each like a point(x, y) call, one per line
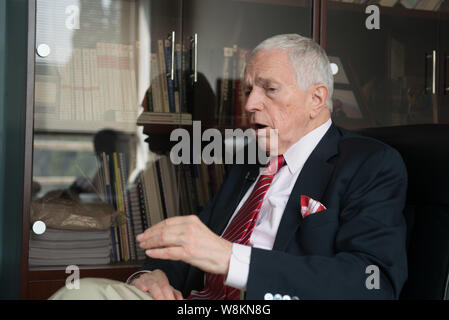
point(322, 221)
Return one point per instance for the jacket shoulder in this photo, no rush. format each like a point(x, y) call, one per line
point(355, 148)
point(362, 145)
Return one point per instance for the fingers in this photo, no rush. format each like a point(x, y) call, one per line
point(178, 294)
point(167, 223)
point(170, 232)
point(169, 236)
point(168, 293)
point(157, 285)
point(170, 253)
point(189, 240)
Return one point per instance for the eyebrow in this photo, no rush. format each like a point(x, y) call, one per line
point(262, 81)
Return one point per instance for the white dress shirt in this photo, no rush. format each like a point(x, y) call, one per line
point(273, 205)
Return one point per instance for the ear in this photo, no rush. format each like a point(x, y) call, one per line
point(320, 94)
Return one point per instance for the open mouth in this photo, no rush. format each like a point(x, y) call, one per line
point(258, 126)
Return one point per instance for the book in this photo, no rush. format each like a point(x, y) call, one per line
point(46, 96)
point(162, 190)
point(127, 206)
point(170, 82)
point(78, 84)
point(168, 186)
point(117, 89)
point(103, 77)
point(185, 76)
point(163, 75)
point(230, 112)
point(122, 227)
point(110, 78)
point(97, 99)
point(87, 85)
point(152, 193)
point(133, 80)
point(65, 85)
point(125, 78)
point(164, 118)
point(224, 92)
point(145, 198)
point(155, 85)
point(58, 247)
point(241, 118)
point(179, 99)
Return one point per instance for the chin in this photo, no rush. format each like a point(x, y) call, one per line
point(265, 145)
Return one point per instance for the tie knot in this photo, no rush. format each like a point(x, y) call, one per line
point(274, 165)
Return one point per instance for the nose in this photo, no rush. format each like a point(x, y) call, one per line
point(254, 101)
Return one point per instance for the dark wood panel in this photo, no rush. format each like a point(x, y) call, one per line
point(42, 290)
point(43, 283)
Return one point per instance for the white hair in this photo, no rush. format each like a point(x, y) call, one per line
point(309, 60)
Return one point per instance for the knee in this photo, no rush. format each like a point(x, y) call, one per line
point(85, 288)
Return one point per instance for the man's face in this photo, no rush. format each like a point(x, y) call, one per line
point(274, 100)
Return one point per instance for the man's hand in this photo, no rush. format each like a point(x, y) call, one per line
point(157, 285)
point(187, 239)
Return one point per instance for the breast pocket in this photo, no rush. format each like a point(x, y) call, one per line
point(319, 219)
point(316, 234)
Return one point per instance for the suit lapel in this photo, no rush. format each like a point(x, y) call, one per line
point(312, 181)
point(248, 176)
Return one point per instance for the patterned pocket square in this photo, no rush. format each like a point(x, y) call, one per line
point(310, 206)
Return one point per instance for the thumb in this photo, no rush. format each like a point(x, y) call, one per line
point(178, 294)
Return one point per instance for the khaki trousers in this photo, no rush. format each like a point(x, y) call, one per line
point(101, 289)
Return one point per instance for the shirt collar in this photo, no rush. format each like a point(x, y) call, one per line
point(299, 152)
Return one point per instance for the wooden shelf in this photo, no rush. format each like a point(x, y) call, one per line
point(118, 265)
point(78, 126)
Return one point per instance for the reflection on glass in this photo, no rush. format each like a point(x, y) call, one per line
point(103, 64)
point(87, 149)
point(425, 5)
point(386, 76)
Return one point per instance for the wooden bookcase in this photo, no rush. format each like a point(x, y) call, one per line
point(244, 23)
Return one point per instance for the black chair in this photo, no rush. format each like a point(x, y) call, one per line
point(425, 150)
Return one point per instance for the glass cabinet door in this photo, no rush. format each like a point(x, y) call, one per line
point(92, 172)
point(444, 63)
point(388, 62)
point(109, 88)
point(221, 34)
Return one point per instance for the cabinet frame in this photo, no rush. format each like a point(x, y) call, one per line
point(28, 152)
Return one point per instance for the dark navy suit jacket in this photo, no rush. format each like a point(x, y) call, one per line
point(362, 183)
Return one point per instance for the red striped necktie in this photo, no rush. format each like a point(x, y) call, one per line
point(239, 231)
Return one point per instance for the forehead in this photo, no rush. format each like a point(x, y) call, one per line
point(273, 64)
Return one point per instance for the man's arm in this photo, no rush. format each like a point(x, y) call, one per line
point(372, 231)
point(176, 270)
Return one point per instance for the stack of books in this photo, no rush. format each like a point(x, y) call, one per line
point(89, 84)
point(167, 94)
point(160, 191)
point(65, 247)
